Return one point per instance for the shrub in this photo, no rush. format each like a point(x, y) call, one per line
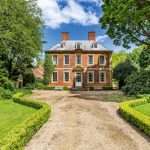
point(107, 88)
point(138, 83)
point(39, 84)
point(28, 79)
point(65, 88)
point(5, 94)
point(24, 91)
point(29, 87)
point(21, 134)
point(91, 88)
point(140, 120)
point(48, 88)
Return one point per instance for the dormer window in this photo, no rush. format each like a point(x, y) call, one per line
point(62, 45)
point(77, 46)
point(94, 45)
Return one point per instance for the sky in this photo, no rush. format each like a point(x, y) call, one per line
point(78, 17)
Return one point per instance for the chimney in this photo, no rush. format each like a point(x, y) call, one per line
point(91, 36)
point(65, 36)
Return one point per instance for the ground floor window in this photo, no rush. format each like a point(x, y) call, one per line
point(66, 76)
point(90, 77)
point(55, 77)
point(102, 76)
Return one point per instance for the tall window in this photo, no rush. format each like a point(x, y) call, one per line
point(55, 59)
point(54, 77)
point(90, 59)
point(91, 77)
point(102, 60)
point(102, 76)
point(66, 59)
point(78, 59)
point(66, 76)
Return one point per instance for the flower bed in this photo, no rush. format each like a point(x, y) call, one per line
point(21, 134)
point(138, 119)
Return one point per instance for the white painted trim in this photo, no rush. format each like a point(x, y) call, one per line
point(76, 59)
point(88, 76)
point(104, 59)
point(52, 77)
point(64, 76)
point(64, 59)
point(88, 59)
point(53, 58)
point(104, 76)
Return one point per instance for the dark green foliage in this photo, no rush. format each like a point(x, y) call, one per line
point(48, 68)
point(138, 119)
point(138, 83)
point(19, 136)
point(65, 88)
point(5, 94)
point(144, 57)
point(48, 88)
point(122, 71)
point(29, 87)
point(38, 83)
point(127, 21)
point(107, 88)
point(28, 78)
point(91, 88)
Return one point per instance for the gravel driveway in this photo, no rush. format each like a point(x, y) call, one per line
point(81, 123)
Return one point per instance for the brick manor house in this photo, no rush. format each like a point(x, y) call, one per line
point(81, 63)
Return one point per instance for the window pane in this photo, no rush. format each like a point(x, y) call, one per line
point(90, 77)
point(54, 76)
point(66, 59)
point(102, 59)
point(54, 59)
point(90, 59)
point(78, 59)
point(103, 76)
point(66, 76)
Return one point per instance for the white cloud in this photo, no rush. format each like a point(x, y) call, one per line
point(98, 2)
point(54, 16)
point(101, 38)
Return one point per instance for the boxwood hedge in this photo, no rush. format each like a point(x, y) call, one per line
point(21, 134)
point(138, 119)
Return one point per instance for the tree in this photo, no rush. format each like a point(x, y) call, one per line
point(48, 68)
point(144, 57)
point(20, 35)
point(127, 21)
point(122, 71)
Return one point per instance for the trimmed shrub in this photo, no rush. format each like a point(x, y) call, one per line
point(107, 88)
point(138, 119)
point(48, 88)
point(21, 134)
point(138, 83)
point(65, 88)
point(91, 88)
point(5, 94)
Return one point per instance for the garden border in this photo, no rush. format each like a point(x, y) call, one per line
point(138, 119)
point(22, 133)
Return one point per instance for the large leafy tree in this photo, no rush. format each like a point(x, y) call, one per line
point(127, 21)
point(20, 35)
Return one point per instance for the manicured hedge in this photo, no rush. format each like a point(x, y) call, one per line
point(21, 134)
point(138, 119)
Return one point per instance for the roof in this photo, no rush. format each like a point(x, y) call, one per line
point(85, 45)
point(39, 72)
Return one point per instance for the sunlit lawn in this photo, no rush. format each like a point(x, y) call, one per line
point(12, 114)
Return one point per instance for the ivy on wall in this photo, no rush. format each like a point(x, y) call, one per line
point(49, 67)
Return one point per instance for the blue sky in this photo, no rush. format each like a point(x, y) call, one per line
point(77, 17)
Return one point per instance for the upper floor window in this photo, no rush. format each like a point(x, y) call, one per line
point(66, 76)
point(90, 77)
point(90, 59)
point(78, 59)
point(62, 45)
point(54, 59)
point(66, 59)
point(102, 60)
point(94, 45)
point(54, 77)
point(102, 76)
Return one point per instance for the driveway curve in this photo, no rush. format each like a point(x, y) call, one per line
point(84, 123)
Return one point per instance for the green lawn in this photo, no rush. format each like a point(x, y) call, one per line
point(11, 114)
point(145, 109)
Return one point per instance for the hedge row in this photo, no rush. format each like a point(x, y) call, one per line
point(21, 134)
point(138, 119)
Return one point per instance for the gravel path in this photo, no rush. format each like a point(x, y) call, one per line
point(82, 124)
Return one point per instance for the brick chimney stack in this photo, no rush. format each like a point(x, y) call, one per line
point(65, 36)
point(91, 36)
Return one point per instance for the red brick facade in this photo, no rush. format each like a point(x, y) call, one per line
point(85, 71)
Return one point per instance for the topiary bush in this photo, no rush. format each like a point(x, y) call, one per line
point(138, 83)
point(65, 88)
point(21, 134)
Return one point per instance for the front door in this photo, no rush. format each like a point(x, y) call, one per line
point(78, 81)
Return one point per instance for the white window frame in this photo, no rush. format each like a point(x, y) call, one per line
point(76, 59)
point(104, 60)
point(88, 77)
point(64, 76)
point(53, 59)
point(104, 76)
point(64, 59)
point(53, 78)
point(88, 59)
